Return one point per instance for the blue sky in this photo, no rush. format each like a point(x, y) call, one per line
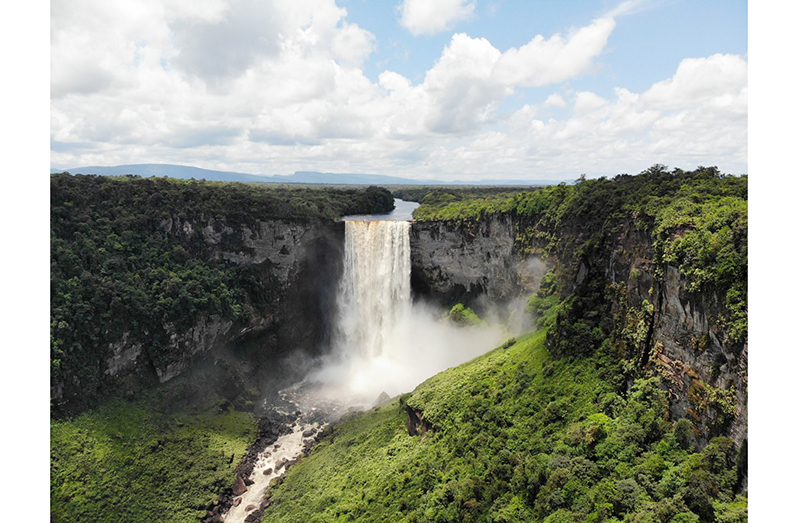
point(455, 89)
point(646, 46)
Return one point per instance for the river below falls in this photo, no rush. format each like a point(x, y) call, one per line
point(312, 409)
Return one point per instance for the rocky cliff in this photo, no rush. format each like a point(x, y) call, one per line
point(460, 261)
point(296, 265)
point(670, 332)
point(299, 263)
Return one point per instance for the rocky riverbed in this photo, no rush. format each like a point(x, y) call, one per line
point(290, 424)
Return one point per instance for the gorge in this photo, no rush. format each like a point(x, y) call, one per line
point(631, 347)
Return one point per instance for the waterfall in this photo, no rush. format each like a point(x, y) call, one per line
point(375, 289)
point(383, 342)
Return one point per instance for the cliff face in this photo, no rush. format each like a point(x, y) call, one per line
point(703, 369)
point(453, 261)
point(298, 262)
point(297, 266)
point(677, 335)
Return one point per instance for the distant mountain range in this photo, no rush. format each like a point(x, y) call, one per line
point(310, 177)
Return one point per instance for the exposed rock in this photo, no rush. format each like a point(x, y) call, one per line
point(309, 432)
point(239, 487)
point(416, 424)
point(382, 398)
point(453, 261)
point(123, 355)
point(267, 471)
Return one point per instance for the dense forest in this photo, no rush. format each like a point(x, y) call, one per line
point(571, 422)
point(118, 270)
point(698, 220)
point(519, 435)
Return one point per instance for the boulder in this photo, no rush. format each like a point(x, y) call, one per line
point(239, 487)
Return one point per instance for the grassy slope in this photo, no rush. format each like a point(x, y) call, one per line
point(518, 437)
point(124, 462)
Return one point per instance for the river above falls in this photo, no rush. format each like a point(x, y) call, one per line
point(402, 212)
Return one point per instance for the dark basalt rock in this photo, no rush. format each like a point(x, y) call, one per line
point(239, 486)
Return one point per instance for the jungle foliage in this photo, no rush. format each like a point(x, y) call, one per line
point(118, 270)
point(129, 462)
point(697, 221)
point(517, 436)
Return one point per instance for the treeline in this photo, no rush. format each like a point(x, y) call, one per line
point(435, 197)
point(117, 270)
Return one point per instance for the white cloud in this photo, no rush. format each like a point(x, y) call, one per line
point(425, 17)
point(698, 81)
point(555, 100)
point(462, 90)
point(129, 85)
point(542, 61)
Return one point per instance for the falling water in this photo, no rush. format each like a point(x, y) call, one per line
point(384, 345)
point(375, 289)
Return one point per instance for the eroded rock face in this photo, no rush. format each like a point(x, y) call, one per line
point(703, 370)
point(300, 262)
point(457, 262)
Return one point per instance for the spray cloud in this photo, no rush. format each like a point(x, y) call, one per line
point(386, 343)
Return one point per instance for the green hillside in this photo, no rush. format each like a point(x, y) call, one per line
point(516, 435)
point(129, 462)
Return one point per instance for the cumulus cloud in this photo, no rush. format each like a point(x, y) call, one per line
point(542, 61)
point(461, 91)
point(423, 17)
point(555, 100)
point(129, 85)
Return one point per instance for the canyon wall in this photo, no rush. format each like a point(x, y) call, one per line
point(455, 261)
point(680, 337)
point(296, 266)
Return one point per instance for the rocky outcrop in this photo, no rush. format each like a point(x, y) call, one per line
point(679, 338)
point(297, 263)
point(459, 261)
point(416, 423)
point(705, 372)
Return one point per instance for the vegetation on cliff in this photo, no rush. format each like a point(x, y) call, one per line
point(117, 269)
point(697, 222)
point(129, 462)
point(517, 435)
point(459, 203)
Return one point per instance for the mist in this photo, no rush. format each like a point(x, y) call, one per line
point(383, 341)
point(421, 345)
